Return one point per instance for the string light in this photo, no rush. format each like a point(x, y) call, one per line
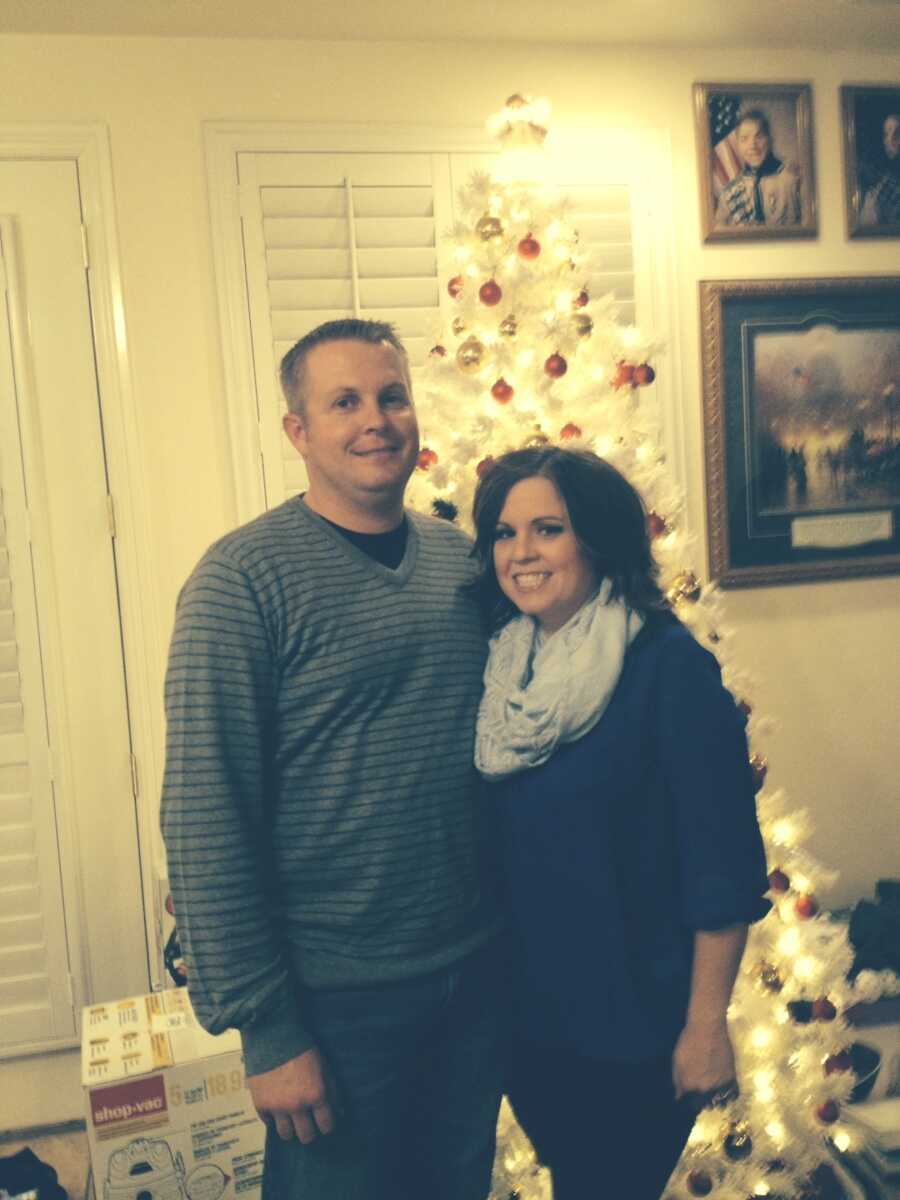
point(789, 942)
point(761, 1037)
point(805, 967)
point(763, 1082)
point(776, 1132)
point(842, 1140)
point(782, 831)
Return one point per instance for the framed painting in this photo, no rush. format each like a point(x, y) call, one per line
point(801, 381)
point(755, 156)
point(870, 116)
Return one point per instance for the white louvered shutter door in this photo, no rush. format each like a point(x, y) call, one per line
point(335, 235)
point(35, 1004)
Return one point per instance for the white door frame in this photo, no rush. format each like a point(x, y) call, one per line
point(87, 145)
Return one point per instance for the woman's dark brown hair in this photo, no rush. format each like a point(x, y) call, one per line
point(608, 519)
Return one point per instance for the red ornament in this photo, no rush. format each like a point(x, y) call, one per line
point(438, 351)
point(806, 906)
point(455, 286)
point(529, 247)
point(484, 466)
point(170, 905)
point(760, 768)
point(828, 1112)
point(581, 299)
point(502, 391)
point(427, 458)
point(835, 1063)
point(656, 526)
point(778, 881)
point(644, 374)
point(490, 293)
point(699, 1183)
point(556, 366)
point(569, 431)
point(823, 1009)
point(624, 374)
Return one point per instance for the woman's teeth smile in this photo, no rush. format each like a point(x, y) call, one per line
point(530, 581)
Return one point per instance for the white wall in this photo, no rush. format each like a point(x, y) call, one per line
point(822, 651)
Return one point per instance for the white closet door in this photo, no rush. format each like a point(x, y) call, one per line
point(85, 827)
point(35, 1004)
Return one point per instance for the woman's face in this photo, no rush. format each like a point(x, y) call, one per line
point(753, 143)
point(539, 564)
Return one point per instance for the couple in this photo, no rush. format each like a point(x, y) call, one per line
point(396, 941)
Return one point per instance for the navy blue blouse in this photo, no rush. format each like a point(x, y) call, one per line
point(621, 846)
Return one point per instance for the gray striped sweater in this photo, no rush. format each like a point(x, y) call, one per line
point(319, 802)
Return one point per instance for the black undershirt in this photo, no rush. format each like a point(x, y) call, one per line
point(386, 548)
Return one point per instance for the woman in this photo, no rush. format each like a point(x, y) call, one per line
point(767, 191)
point(632, 859)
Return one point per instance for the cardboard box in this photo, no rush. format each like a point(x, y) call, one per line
point(168, 1114)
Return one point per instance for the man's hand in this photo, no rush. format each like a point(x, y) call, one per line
point(703, 1060)
point(299, 1097)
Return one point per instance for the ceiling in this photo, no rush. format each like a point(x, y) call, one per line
point(809, 24)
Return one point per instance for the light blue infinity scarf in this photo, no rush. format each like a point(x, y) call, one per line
point(542, 691)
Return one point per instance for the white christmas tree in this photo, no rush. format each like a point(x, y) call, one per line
point(531, 358)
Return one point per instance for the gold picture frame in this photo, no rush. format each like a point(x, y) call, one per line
point(756, 161)
point(801, 405)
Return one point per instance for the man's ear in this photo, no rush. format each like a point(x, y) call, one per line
point(292, 424)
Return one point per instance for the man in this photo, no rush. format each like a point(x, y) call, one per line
point(881, 204)
point(326, 852)
point(766, 192)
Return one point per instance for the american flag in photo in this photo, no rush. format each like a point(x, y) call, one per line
point(726, 162)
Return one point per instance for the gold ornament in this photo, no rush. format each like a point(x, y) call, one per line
point(767, 977)
point(489, 228)
point(508, 327)
point(470, 356)
point(537, 438)
point(458, 326)
point(685, 588)
point(583, 325)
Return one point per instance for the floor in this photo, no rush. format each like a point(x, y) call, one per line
point(65, 1149)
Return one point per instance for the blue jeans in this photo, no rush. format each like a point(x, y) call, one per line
point(418, 1065)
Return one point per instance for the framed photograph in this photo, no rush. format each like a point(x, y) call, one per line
point(871, 119)
point(801, 381)
point(755, 153)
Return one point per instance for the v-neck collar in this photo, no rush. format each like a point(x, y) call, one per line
point(397, 576)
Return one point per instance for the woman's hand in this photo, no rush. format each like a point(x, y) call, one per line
point(703, 1062)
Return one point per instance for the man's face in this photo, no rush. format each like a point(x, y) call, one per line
point(358, 432)
point(892, 136)
point(753, 143)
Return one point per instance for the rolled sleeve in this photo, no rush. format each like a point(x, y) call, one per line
point(721, 859)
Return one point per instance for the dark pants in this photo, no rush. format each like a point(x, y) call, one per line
point(606, 1130)
point(418, 1066)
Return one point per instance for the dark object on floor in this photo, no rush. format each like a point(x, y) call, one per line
point(174, 960)
point(24, 1175)
point(875, 930)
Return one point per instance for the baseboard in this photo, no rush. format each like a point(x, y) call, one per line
point(39, 1131)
